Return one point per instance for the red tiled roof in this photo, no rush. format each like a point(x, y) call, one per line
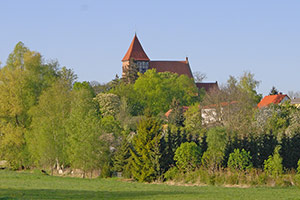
point(271, 99)
point(179, 67)
point(208, 86)
point(136, 51)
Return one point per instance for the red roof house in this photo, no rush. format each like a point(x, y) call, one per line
point(208, 87)
point(143, 62)
point(272, 99)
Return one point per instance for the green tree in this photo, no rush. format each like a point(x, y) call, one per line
point(121, 158)
point(145, 155)
point(193, 123)
point(176, 117)
point(48, 138)
point(273, 165)
point(87, 150)
point(217, 141)
point(109, 104)
point(248, 84)
point(155, 91)
point(239, 160)
point(273, 91)
point(188, 156)
point(22, 80)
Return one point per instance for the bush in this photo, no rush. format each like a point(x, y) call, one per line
point(239, 160)
point(217, 141)
point(188, 156)
point(273, 166)
point(171, 173)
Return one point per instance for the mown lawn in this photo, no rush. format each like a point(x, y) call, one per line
point(25, 185)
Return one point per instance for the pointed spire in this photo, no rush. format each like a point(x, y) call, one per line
point(136, 51)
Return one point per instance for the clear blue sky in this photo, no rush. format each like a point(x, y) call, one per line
point(221, 38)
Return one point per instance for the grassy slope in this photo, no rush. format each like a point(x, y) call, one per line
point(21, 185)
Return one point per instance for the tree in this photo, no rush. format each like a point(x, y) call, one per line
point(234, 105)
point(145, 154)
point(273, 91)
point(193, 123)
point(188, 156)
point(48, 138)
point(86, 150)
point(217, 141)
point(176, 117)
point(109, 104)
point(248, 84)
point(273, 165)
point(239, 160)
point(155, 91)
point(22, 80)
point(121, 158)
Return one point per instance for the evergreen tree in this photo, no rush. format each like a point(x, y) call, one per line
point(176, 116)
point(145, 155)
point(120, 160)
point(273, 91)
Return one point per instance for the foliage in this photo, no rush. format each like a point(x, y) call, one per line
point(48, 138)
point(22, 80)
point(145, 154)
point(273, 165)
point(155, 91)
point(176, 116)
point(121, 157)
point(109, 104)
point(273, 91)
point(188, 156)
point(193, 123)
point(86, 149)
point(171, 173)
point(216, 140)
point(298, 168)
point(239, 160)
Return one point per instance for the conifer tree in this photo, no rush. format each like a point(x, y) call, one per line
point(120, 160)
point(145, 155)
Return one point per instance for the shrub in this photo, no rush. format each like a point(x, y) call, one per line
point(171, 173)
point(273, 166)
point(217, 141)
point(239, 160)
point(188, 156)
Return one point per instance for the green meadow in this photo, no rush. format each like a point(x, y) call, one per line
point(26, 185)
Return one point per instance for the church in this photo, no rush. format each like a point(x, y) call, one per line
point(137, 53)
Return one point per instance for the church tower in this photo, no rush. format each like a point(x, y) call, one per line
point(136, 53)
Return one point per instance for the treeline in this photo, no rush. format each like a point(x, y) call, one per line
point(51, 122)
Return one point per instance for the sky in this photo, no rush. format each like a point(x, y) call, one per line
point(220, 38)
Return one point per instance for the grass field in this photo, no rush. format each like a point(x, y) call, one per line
point(25, 185)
